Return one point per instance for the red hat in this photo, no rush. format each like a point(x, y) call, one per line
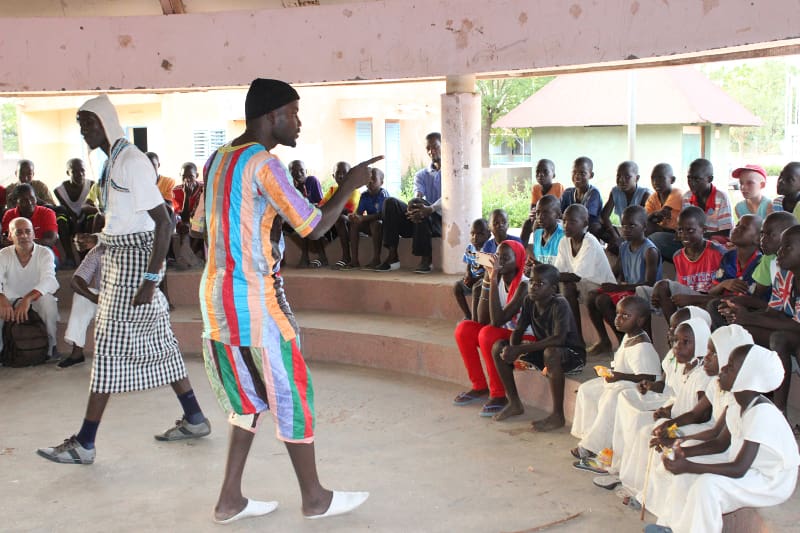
point(754, 168)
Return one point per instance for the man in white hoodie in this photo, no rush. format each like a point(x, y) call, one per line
point(135, 348)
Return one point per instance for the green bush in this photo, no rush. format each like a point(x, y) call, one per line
point(773, 170)
point(514, 200)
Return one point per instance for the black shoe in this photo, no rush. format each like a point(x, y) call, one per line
point(69, 361)
point(388, 267)
point(423, 269)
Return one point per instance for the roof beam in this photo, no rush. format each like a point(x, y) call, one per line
point(172, 7)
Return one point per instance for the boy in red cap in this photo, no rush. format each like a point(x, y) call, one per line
point(752, 180)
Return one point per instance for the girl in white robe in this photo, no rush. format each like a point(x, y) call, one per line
point(698, 429)
point(762, 453)
point(636, 359)
point(634, 425)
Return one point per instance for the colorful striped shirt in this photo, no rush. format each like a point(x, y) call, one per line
point(248, 194)
point(717, 209)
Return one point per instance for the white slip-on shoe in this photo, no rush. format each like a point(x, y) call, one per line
point(341, 503)
point(253, 508)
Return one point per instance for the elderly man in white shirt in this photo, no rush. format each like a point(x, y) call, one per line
point(28, 280)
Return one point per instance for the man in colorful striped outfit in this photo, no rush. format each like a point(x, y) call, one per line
point(250, 338)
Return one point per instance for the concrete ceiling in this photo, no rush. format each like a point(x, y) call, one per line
point(131, 8)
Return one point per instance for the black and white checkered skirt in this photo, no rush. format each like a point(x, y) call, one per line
point(135, 348)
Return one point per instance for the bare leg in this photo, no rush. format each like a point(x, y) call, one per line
point(570, 292)
point(231, 502)
point(609, 311)
point(526, 232)
point(506, 372)
point(354, 238)
point(316, 499)
point(376, 229)
point(461, 300)
point(344, 238)
point(593, 303)
point(96, 405)
point(664, 296)
point(552, 359)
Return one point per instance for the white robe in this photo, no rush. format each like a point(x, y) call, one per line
point(696, 502)
point(633, 427)
point(596, 403)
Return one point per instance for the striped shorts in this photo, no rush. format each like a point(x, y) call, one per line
point(250, 380)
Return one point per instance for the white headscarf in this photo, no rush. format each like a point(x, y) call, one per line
point(699, 312)
point(701, 335)
point(761, 371)
point(727, 338)
point(107, 113)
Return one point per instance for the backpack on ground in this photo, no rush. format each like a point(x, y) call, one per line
point(25, 343)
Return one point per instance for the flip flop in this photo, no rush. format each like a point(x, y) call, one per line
point(341, 503)
point(253, 508)
point(468, 397)
point(488, 411)
point(581, 453)
point(589, 465)
point(608, 482)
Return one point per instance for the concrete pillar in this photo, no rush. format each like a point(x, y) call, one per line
point(461, 168)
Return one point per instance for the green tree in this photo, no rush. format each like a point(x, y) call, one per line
point(760, 86)
point(8, 121)
point(498, 97)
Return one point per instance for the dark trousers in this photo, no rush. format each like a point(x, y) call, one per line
point(396, 225)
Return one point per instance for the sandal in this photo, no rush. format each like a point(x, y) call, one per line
point(490, 409)
point(607, 482)
point(590, 465)
point(468, 397)
point(581, 453)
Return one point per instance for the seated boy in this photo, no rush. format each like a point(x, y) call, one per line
point(788, 190)
point(545, 174)
point(367, 219)
point(584, 193)
point(665, 203)
point(695, 264)
point(498, 224)
point(558, 347)
point(752, 180)
point(548, 233)
point(581, 260)
point(85, 286)
point(627, 192)
point(735, 274)
point(479, 233)
point(311, 189)
point(639, 264)
point(341, 227)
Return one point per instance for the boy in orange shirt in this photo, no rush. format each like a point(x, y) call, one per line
point(665, 203)
point(545, 174)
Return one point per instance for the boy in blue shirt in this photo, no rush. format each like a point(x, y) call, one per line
point(475, 271)
point(498, 224)
point(548, 232)
point(367, 219)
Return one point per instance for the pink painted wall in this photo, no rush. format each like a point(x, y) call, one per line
point(371, 41)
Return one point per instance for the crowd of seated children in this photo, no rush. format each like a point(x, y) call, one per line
point(494, 318)
point(556, 346)
point(771, 230)
point(545, 174)
point(713, 202)
point(635, 360)
point(367, 219)
point(479, 234)
point(696, 264)
point(639, 264)
point(752, 181)
point(665, 203)
point(581, 260)
point(76, 216)
point(584, 193)
point(626, 192)
point(778, 326)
